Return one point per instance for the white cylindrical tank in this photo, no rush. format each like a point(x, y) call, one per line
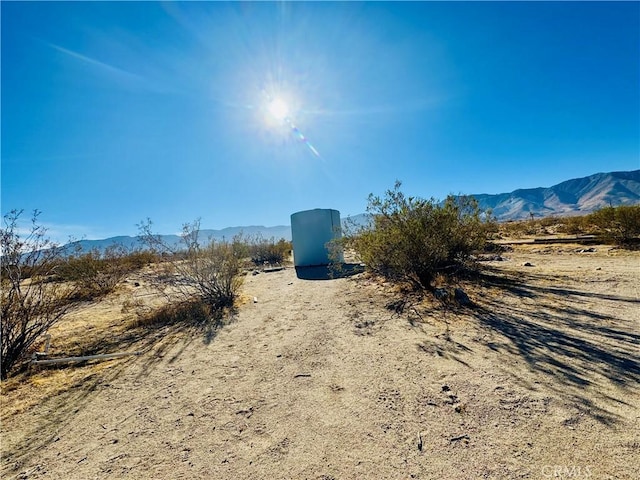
point(311, 231)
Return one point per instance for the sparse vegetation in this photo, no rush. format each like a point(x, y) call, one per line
point(268, 252)
point(175, 337)
point(31, 303)
point(577, 225)
point(97, 274)
point(208, 272)
point(617, 225)
point(413, 239)
point(620, 225)
point(188, 312)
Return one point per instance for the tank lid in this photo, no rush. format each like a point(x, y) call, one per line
point(316, 210)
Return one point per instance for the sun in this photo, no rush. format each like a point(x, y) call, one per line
point(278, 109)
point(279, 117)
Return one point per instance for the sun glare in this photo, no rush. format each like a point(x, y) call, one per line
point(278, 116)
point(278, 109)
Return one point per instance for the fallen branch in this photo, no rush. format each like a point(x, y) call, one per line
point(104, 356)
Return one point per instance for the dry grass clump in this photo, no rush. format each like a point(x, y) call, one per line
point(188, 313)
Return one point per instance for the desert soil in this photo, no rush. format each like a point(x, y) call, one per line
point(338, 379)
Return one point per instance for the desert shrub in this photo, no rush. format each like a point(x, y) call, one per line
point(30, 303)
point(517, 228)
point(620, 225)
point(96, 274)
point(242, 248)
point(414, 239)
point(574, 225)
point(269, 252)
point(543, 226)
point(546, 222)
point(138, 259)
point(209, 272)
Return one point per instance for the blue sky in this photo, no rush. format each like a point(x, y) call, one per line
point(113, 112)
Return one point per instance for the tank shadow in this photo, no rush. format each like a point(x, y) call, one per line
point(329, 272)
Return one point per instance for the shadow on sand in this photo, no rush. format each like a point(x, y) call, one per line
point(558, 335)
point(329, 272)
point(160, 337)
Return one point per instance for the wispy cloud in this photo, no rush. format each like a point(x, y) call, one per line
point(124, 74)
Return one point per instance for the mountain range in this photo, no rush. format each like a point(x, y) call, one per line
point(174, 241)
point(577, 196)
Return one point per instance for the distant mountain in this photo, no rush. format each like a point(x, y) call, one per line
point(578, 196)
point(136, 243)
point(572, 197)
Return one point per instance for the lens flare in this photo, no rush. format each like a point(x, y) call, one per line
point(302, 138)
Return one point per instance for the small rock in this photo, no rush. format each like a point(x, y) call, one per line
point(527, 264)
point(446, 388)
point(255, 299)
point(460, 408)
point(599, 268)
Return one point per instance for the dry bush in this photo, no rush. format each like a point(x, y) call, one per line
point(620, 225)
point(268, 252)
point(138, 259)
point(544, 226)
point(412, 239)
point(97, 274)
point(521, 228)
point(31, 304)
point(210, 273)
point(186, 312)
point(574, 225)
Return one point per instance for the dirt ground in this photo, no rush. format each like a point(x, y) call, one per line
point(340, 379)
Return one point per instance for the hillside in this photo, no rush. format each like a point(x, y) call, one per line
point(577, 196)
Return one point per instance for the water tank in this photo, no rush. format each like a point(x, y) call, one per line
point(311, 230)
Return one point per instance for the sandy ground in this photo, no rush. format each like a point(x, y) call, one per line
point(319, 379)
